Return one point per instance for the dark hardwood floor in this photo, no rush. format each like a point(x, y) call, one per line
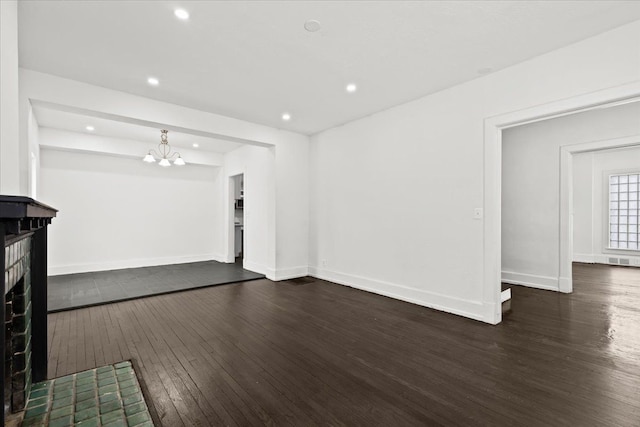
point(304, 354)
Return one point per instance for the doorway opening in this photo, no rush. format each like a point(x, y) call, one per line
point(539, 187)
point(605, 202)
point(237, 184)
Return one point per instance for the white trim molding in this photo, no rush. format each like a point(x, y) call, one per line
point(584, 258)
point(255, 267)
point(634, 261)
point(288, 273)
point(505, 295)
point(462, 307)
point(531, 280)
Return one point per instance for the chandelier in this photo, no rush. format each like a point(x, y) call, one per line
point(164, 153)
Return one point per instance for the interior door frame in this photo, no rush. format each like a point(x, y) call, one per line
point(566, 193)
point(230, 219)
point(492, 204)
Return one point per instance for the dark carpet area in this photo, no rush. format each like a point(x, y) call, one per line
point(85, 289)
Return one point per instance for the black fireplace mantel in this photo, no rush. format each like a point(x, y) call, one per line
point(23, 229)
point(22, 214)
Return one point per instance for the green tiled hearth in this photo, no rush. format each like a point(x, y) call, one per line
point(108, 396)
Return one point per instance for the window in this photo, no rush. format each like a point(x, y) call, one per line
point(623, 211)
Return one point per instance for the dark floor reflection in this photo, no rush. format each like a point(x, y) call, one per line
point(588, 341)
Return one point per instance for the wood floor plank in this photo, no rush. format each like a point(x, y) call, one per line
point(96, 338)
point(67, 341)
point(348, 393)
point(53, 328)
point(175, 380)
point(205, 396)
point(265, 353)
point(149, 364)
point(267, 363)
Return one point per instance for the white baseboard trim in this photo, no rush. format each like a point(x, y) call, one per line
point(492, 313)
point(586, 258)
point(57, 270)
point(505, 295)
point(273, 274)
point(634, 261)
point(472, 309)
point(565, 285)
point(289, 273)
point(531, 280)
point(227, 260)
point(255, 267)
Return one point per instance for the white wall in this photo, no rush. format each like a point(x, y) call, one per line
point(276, 207)
point(33, 138)
point(393, 194)
point(590, 198)
point(288, 247)
point(583, 206)
point(256, 163)
point(291, 210)
point(10, 179)
point(531, 188)
point(117, 212)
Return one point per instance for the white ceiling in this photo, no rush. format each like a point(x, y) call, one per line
point(116, 129)
point(254, 60)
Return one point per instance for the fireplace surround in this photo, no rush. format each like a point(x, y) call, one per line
point(23, 228)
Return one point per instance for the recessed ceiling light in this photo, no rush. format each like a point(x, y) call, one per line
point(286, 117)
point(351, 87)
point(90, 128)
point(312, 25)
point(153, 81)
point(196, 145)
point(181, 14)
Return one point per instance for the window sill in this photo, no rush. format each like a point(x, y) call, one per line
point(635, 252)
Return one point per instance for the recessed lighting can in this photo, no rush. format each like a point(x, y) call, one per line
point(90, 128)
point(181, 14)
point(196, 145)
point(286, 117)
point(351, 87)
point(312, 25)
point(153, 81)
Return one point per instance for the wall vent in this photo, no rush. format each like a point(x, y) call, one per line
point(624, 261)
point(613, 260)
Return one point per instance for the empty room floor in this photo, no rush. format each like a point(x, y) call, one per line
point(85, 289)
point(309, 352)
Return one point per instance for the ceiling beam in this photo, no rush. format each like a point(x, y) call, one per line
point(146, 123)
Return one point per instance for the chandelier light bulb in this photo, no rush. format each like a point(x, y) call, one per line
point(164, 153)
